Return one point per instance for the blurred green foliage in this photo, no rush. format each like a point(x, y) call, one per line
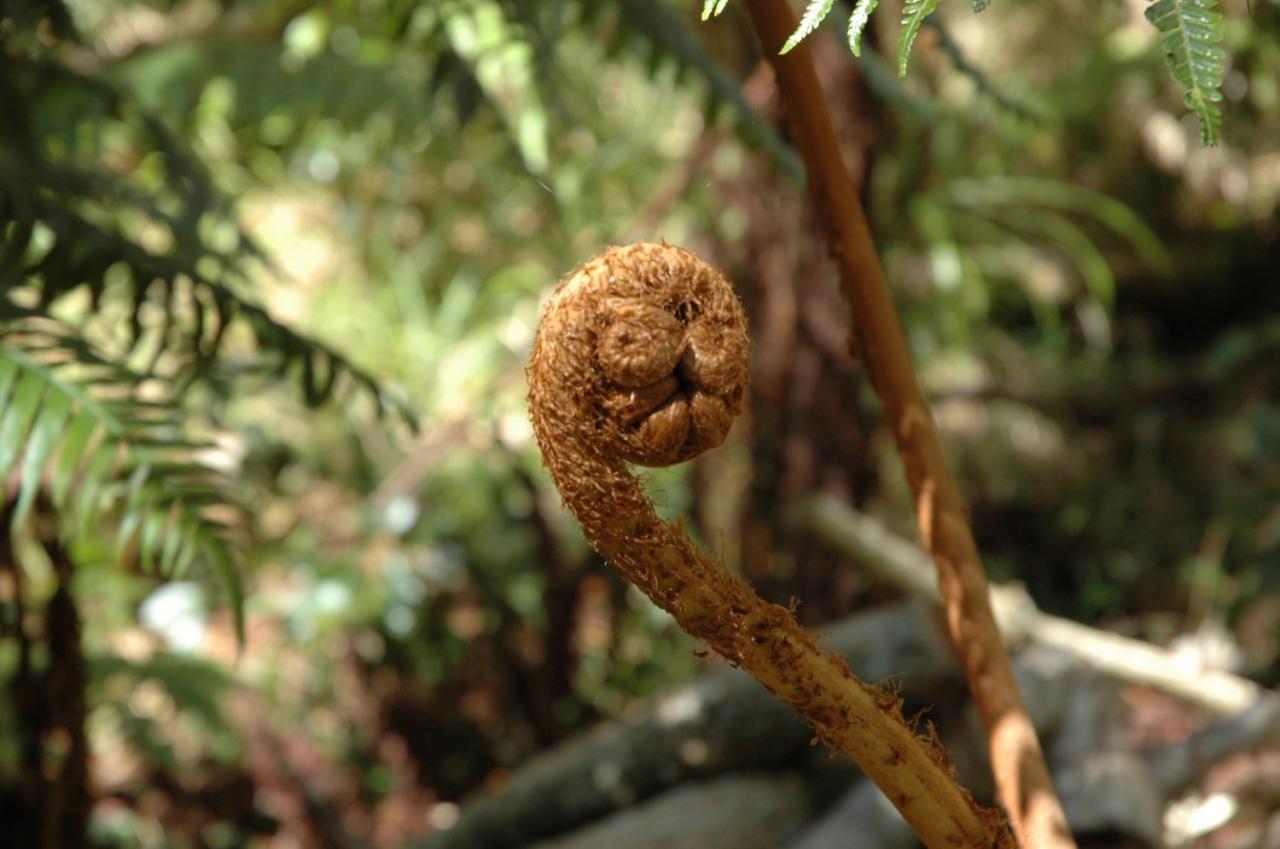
point(385, 191)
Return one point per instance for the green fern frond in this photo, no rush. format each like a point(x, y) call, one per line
point(197, 687)
point(913, 17)
point(813, 15)
point(1023, 192)
point(713, 8)
point(80, 257)
point(1191, 29)
point(77, 433)
point(1073, 242)
point(1041, 213)
point(194, 288)
point(858, 22)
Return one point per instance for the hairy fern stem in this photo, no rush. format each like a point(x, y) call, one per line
point(642, 357)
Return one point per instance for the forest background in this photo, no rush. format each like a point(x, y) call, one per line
point(280, 265)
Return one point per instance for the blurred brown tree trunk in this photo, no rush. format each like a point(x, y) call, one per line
point(54, 801)
point(808, 431)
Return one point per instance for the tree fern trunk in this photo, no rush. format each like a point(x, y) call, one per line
point(67, 802)
point(53, 802)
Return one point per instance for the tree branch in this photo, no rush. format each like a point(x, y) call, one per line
point(901, 563)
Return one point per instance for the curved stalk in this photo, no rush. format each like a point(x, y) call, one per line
point(642, 356)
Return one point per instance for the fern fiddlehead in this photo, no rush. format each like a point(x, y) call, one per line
point(642, 357)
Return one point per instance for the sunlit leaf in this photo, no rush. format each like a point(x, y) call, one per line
point(858, 22)
point(713, 8)
point(813, 15)
point(18, 414)
point(1191, 30)
point(913, 17)
point(44, 436)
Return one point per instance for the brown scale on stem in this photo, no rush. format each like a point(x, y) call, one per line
point(641, 357)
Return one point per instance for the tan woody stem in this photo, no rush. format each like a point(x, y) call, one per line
point(1022, 779)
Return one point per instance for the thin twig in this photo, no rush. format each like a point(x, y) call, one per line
point(903, 564)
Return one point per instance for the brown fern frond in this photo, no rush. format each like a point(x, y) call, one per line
point(642, 357)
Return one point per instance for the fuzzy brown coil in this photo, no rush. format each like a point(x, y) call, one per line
point(655, 364)
point(642, 357)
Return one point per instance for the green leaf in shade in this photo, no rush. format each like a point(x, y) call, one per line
point(18, 415)
point(154, 523)
point(216, 554)
point(8, 375)
point(189, 549)
point(172, 545)
point(45, 433)
point(71, 454)
point(89, 491)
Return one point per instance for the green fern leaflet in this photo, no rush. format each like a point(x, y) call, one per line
point(1190, 30)
point(713, 8)
point(813, 15)
point(913, 15)
point(858, 22)
point(77, 434)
